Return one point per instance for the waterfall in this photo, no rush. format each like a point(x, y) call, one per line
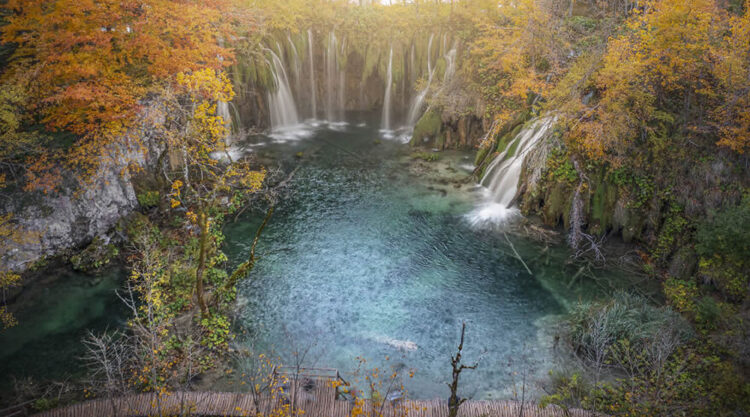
point(412, 65)
point(342, 98)
point(450, 63)
point(331, 78)
point(386, 121)
point(281, 102)
point(297, 67)
point(415, 109)
point(342, 84)
point(501, 176)
point(313, 98)
point(222, 110)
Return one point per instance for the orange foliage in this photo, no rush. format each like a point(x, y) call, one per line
point(94, 60)
point(516, 55)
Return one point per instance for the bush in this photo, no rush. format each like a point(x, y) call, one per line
point(96, 256)
point(148, 199)
point(723, 244)
point(727, 234)
point(681, 294)
point(426, 156)
point(596, 329)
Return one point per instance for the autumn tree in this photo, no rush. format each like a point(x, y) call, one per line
point(517, 56)
point(655, 81)
point(93, 63)
point(210, 183)
point(732, 70)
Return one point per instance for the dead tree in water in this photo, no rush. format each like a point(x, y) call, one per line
point(454, 401)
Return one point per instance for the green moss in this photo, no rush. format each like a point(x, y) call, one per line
point(512, 148)
point(426, 156)
point(481, 154)
point(557, 204)
point(602, 203)
point(508, 138)
point(148, 199)
point(97, 255)
point(428, 127)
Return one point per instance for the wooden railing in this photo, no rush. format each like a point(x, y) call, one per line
point(309, 390)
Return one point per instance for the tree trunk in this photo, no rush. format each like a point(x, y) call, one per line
point(203, 224)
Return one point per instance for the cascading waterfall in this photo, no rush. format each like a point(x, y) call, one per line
point(501, 176)
point(412, 65)
point(313, 95)
point(297, 67)
point(416, 106)
point(342, 97)
point(386, 120)
point(281, 102)
point(429, 52)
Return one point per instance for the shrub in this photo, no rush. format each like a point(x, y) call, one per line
point(723, 244)
point(596, 329)
point(426, 156)
point(148, 199)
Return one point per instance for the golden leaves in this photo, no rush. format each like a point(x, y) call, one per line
point(93, 61)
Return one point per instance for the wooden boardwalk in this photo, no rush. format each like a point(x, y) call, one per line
point(318, 401)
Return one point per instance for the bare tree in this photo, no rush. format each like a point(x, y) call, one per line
point(454, 402)
point(108, 358)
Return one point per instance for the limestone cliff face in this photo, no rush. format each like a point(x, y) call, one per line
point(76, 213)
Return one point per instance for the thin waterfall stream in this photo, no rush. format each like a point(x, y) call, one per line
point(311, 59)
point(386, 120)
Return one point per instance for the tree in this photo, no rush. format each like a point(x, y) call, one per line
point(93, 62)
point(732, 69)
point(454, 401)
point(205, 186)
point(655, 82)
point(10, 234)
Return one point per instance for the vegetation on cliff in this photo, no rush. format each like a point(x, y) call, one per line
point(652, 100)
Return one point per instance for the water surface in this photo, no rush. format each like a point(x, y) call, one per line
point(372, 255)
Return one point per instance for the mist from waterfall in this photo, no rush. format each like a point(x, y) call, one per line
point(500, 180)
point(386, 120)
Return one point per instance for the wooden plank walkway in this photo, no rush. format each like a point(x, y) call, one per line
point(317, 402)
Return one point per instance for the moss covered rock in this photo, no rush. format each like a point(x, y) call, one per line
point(97, 255)
point(428, 128)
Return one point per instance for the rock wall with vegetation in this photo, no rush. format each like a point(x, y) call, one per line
point(650, 147)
